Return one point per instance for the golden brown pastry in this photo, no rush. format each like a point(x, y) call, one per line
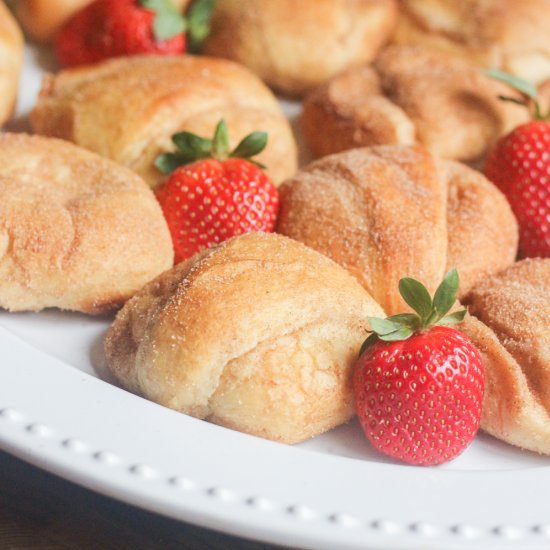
point(127, 109)
point(411, 95)
point(507, 34)
point(258, 334)
point(11, 59)
point(388, 212)
point(295, 46)
point(77, 231)
point(514, 340)
point(42, 19)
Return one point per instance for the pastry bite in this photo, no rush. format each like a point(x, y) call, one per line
point(258, 334)
point(127, 109)
point(295, 46)
point(77, 231)
point(42, 19)
point(11, 60)
point(511, 329)
point(389, 212)
point(411, 95)
point(501, 34)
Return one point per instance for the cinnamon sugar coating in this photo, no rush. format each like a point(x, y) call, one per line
point(514, 339)
point(127, 109)
point(77, 231)
point(411, 95)
point(258, 334)
point(388, 212)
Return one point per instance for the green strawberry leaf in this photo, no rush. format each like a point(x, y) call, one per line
point(168, 21)
point(192, 146)
point(372, 339)
point(383, 326)
point(258, 164)
point(253, 144)
point(168, 162)
point(514, 81)
point(220, 143)
point(402, 333)
point(445, 295)
point(452, 318)
point(417, 296)
point(198, 21)
point(409, 320)
point(430, 312)
point(522, 86)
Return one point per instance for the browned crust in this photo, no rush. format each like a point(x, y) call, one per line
point(127, 109)
point(514, 339)
point(393, 211)
point(258, 334)
point(77, 231)
point(410, 95)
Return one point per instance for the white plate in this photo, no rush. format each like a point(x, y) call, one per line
point(332, 492)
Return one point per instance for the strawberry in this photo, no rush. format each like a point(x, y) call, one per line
point(112, 28)
point(418, 383)
point(218, 196)
point(519, 164)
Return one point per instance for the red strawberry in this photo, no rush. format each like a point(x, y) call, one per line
point(519, 164)
point(418, 384)
point(213, 199)
point(112, 28)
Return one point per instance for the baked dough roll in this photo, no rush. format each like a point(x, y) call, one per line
point(295, 46)
point(389, 212)
point(42, 19)
point(504, 34)
point(127, 109)
point(258, 334)
point(77, 231)
point(11, 60)
point(411, 95)
point(514, 341)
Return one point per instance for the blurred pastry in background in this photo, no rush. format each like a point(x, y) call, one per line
point(411, 95)
point(510, 35)
point(295, 46)
point(127, 109)
point(42, 19)
point(11, 60)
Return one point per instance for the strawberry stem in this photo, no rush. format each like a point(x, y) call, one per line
point(428, 312)
point(168, 21)
point(524, 87)
point(190, 147)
